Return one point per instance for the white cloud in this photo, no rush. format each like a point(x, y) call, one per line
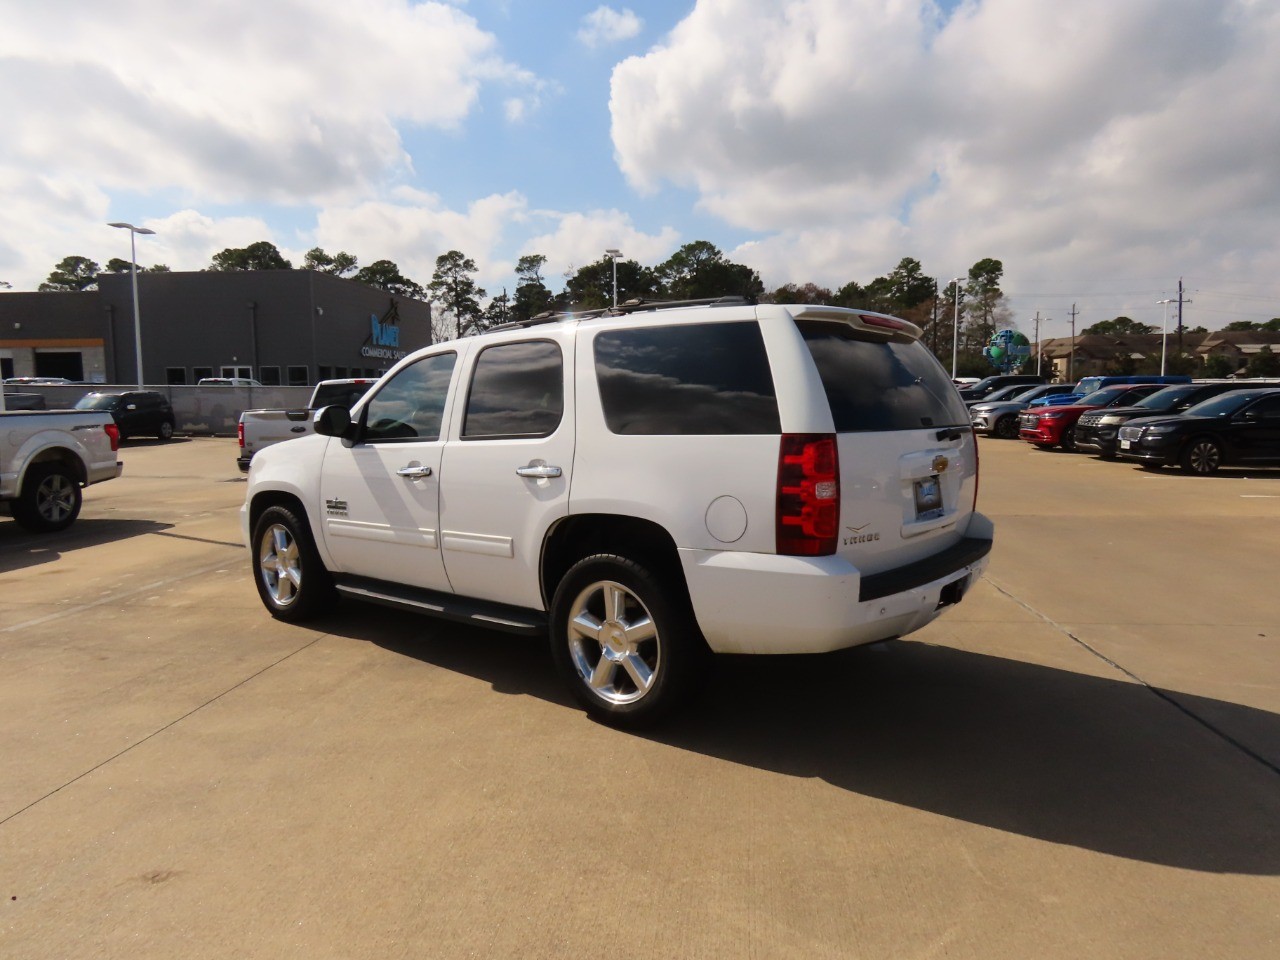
point(1081, 140)
point(582, 238)
point(604, 25)
point(240, 100)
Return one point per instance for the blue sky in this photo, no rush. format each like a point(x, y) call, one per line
point(1099, 150)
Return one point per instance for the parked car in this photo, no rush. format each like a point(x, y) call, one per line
point(39, 381)
point(1239, 428)
point(999, 418)
point(1047, 427)
point(1090, 384)
point(645, 484)
point(136, 412)
point(1003, 393)
point(227, 382)
point(988, 385)
point(46, 456)
point(1098, 431)
point(259, 429)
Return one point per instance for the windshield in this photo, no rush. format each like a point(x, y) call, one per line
point(1036, 391)
point(1100, 398)
point(1223, 405)
point(1166, 399)
point(98, 401)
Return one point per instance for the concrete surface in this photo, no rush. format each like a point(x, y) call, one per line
point(1081, 760)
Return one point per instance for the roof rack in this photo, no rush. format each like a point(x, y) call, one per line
point(621, 309)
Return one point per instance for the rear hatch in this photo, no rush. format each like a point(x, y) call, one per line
point(907, 455)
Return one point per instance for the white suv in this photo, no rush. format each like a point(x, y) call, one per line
point(646, 484)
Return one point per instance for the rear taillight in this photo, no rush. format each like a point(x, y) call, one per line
point(113, 434)
point(808, 517)
point(240, 434)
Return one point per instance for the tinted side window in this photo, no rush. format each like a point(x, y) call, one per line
point(517, 390)
point(410, 406)
point(695, 379)
point(877, 385)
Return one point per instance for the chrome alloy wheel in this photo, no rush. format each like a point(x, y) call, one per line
point(613, 642)
point(55, 498)
point(1204, 457)
point(279, 565)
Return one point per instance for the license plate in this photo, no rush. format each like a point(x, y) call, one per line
point(1125, 444)
point(928, 497)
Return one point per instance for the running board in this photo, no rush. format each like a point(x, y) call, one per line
point(432, 603)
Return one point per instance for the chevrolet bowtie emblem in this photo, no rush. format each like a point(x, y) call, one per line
point(858, 529)
point(940, 463)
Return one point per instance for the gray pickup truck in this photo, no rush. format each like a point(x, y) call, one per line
point(259, 429)
point(47, 457)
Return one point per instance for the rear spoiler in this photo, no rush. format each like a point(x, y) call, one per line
point(865, 320)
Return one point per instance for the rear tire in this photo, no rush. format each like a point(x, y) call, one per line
point(166, 431)
point(625, 641)
point(50, 499)
point(291, 578)
point(1007, 427)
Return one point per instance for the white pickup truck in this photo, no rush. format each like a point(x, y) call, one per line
point(47, 456)
point(261, 428)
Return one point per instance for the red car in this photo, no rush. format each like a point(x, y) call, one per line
point(1047, 427)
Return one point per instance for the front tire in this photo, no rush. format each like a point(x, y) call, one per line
point(625, 641)
point(1007, 427)
point(1202, 456)
point(291, 578)
point(50, 500)
point(1069, 439)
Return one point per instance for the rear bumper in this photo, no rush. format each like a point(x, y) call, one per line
point(243, 463)
point(764, 603)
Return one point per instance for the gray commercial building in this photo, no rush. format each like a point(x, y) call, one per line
point(281, 327)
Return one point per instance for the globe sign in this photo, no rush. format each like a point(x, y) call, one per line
point(1007, 350)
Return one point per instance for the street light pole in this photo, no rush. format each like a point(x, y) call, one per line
point(613, 255)
point(955, 327)
point(133, 271)
point(1164, 336)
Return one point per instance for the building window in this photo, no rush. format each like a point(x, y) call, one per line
point(201, 373)
point(298, 376)
point(175, 376)
point(269, 376)
point(324, 373)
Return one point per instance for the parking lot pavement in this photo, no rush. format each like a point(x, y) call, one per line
point(1082, 759)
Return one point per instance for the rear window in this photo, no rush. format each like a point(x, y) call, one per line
point(691, 379)
point(98, 401)
point(344, 393)
point(874, 385)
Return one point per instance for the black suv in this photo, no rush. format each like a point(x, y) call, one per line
point(144, 412)
point(1240, 428)
point(981, 389)
point(1099, 430)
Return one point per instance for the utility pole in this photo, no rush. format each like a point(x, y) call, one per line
point(1071, 361)
point(1037, 343)
point(1181, 301)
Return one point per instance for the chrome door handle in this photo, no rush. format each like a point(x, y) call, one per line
point(414, 473)
point(538, 471)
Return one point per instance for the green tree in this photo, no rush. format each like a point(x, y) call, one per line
point(385, 275)
point(340, 264)
point(985, 310)
point(116, 265)
point(1216, 366)
point(1273, 324)
point(532, 294)
point(699, 270)
point(591, 287)
point(1119, 327)
point(72, 273)
point(852, 295)
point(1190, 330)
point(454, 289)
point(1264, 363)
point(805, 293)
point(908, 287)
point(498, 311)
point(1235, 325)
point(262, 255)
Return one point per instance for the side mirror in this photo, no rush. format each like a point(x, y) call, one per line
point(332, 421)
point(1251, 416)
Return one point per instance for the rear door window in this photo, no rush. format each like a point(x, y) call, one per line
point(517, 390)
point(687, 379)
point(876, 385)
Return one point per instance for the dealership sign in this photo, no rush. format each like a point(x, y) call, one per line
point(383, 341)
